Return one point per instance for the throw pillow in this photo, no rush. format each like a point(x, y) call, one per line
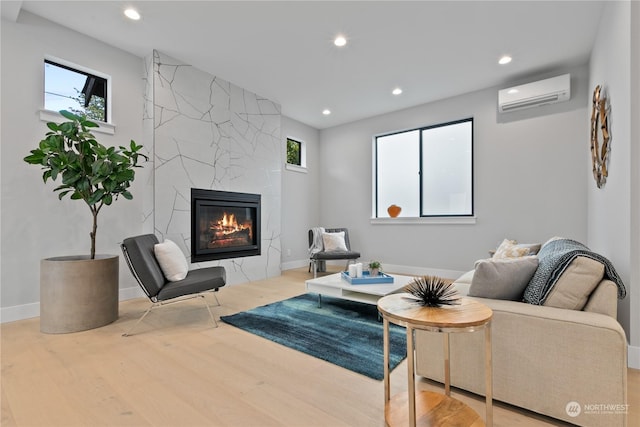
point(502, 278)
point(534, 248)
point(172, 261)
point(334, 241)
point(573, 288)
point(509, 249)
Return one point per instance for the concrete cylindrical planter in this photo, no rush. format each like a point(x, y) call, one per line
point(78, 293)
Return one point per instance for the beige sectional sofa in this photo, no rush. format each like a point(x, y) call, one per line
point(563, 363)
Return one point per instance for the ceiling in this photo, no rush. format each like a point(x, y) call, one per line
point(284, 51)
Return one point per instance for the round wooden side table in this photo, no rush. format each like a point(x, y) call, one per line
point(428, 407)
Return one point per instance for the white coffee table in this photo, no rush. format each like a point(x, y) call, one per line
point(334, 285)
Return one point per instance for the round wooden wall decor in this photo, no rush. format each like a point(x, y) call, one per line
point(599, 137)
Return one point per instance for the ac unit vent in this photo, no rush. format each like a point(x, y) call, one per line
point(543, 92)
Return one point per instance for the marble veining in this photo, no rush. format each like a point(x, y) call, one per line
point(209, 133)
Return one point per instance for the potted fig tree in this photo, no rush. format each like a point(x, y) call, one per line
point(81, 292)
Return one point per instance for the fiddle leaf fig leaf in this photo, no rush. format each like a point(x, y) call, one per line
point(90, 171)
point(69, 115)
point(89, 124)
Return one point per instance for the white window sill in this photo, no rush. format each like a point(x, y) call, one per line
point(295, 168)
point(425, 220)
point(54, 116)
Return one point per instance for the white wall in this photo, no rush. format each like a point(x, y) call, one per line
point(612, 230)
point(300, 195)
point(529, 181)
point(35, 224)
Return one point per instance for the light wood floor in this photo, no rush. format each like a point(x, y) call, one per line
point(179, 371)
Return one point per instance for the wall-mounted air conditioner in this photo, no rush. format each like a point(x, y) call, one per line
point(548, 91)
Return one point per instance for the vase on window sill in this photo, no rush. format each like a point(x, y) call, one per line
point(394, 211)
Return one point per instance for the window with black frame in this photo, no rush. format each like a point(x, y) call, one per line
point(427, 172)
point(75, 90)
point(295, 152)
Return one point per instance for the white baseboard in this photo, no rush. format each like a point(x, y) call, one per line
point(131, 293)
point(290, 265)
point(19, 312)
point(633, 357)
point(27, 311)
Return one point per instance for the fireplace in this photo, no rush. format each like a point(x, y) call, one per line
point(224, 224)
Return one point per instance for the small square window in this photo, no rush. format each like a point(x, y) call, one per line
point(295, 152)
point(71, 89)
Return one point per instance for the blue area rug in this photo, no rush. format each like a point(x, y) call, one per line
point(345, 333)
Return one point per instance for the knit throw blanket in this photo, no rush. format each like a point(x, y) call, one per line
point(554, 258)
point(316, 244)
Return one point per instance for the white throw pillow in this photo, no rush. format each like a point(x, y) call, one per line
point(334, 241)
point(172, 261)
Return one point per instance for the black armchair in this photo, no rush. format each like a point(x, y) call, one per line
point(319, 257)
point(139, 255)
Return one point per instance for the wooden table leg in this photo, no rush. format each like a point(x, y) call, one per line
point(411, 388)
point(385, 340)
point(488, 367)
point(447, 365)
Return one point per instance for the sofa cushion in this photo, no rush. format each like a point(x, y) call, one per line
point(555, 257)
point(576, 283)
point(534, 248)
point(462, 283)
point(502, 278)
point(604, 299)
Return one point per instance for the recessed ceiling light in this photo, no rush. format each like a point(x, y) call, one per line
point(397, 91)
point(340, 41)
point(512, 91)
point(504, 60)
point(132, 14)
point(326, 111)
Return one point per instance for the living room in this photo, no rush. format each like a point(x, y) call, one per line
point(532, 171)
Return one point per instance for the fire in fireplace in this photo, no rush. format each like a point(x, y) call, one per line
point(224, 224)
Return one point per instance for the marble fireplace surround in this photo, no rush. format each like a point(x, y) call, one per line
point(211, 134)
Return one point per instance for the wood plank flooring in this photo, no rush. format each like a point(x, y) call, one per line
point(177, 370)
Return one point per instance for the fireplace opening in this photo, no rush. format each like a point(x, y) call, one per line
point(224, 224)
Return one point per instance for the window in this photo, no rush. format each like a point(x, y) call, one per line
point(428, 172)
point(296, 155)
point(294, 152)
point(69, 88)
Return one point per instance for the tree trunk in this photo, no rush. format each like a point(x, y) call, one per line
point(93, 232)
